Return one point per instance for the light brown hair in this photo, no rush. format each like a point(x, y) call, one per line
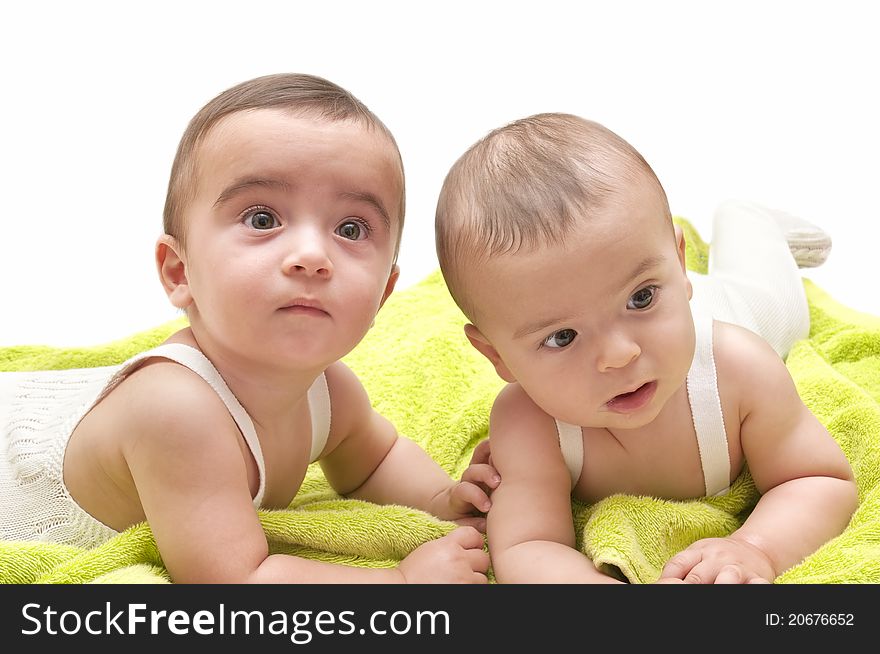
point(525, 185)
point(303, 94)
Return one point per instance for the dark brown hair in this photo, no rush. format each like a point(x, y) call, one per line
point(304, 94)
point(525, 185)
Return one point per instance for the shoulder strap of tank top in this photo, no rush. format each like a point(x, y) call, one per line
point(193, 359)
point(702, 388)
point(319, 407)
point(571, 442)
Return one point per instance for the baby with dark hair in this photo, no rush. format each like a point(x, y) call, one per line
point(625, 373)
point(282, 225)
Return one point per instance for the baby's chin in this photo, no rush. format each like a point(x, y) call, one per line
point(626, 421)
point(608, 419)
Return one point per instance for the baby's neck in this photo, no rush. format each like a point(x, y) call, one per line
point(267, 392)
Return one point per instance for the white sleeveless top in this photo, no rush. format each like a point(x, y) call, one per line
point(38, 413)
point(702, 388)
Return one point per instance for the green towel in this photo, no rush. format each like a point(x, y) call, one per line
point(422, 374)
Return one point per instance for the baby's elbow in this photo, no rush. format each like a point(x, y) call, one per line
point(505, 565)
point(846, 487)
point(851, 496)
point(527, 561)
point(851, 491)
point(845, 498)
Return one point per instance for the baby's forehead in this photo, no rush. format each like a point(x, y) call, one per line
point(617, 237)
point(267, 125)
point(594, 265)
point(268, 139)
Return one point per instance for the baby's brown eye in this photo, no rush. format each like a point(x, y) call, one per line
point(262, 220)
point(353, 230)
point(642, 298)
point(562, 338)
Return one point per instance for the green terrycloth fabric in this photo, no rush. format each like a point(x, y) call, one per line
point(422, 374)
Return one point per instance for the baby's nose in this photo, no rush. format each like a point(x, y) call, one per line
point(308, 254)
point(618, 350)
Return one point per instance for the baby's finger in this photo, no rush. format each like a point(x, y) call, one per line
point(482, 473)
point(477, 522)
point(467, 537)
point(681, 564)
point(729, 574)
point(467, 493)
point(706, 572)
point(481, 452)
point(478, 560)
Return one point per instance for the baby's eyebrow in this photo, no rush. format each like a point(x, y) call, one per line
point(540, 325)
point(537, 326)
point(371, 199)
point(644, 266)
point(244, 184)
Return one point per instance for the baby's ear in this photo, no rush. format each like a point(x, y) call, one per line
point(475, 336)
point(172, 271)
point(682, 259)
point(393, 276)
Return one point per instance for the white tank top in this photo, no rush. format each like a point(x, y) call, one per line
point(38, 413)
point(705, 402)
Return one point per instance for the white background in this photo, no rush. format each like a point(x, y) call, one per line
point(771, 101)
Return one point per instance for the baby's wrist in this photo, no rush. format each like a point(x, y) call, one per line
point(754, 543)
point(440, 504)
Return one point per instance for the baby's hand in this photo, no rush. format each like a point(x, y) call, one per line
point(482, 453)
point(481, 470)
point(719, 561)
point(467, 501)
point(456, 558)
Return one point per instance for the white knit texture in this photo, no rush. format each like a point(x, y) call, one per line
point(753, 279)
point(38, 411)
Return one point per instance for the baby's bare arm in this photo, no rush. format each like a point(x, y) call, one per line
point(191, 476)
point(530, 530)
point(367, 459)
point(807, 489)
point(807, 486)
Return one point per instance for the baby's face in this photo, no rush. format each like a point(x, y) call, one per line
point(598, 332)
point(291, 236)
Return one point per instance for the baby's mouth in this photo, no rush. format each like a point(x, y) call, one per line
point(305, 306)
point(634, 400)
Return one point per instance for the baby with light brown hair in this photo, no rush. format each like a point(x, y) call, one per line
point(627, 374)
point(282, 224)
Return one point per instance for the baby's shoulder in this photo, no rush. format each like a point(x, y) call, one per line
point(745, 361)
point(525, 443)
point(342, 383)
point(163, 399)
point(734, 343)
point(514, 412)
point(176, 434)
point(350, 404)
